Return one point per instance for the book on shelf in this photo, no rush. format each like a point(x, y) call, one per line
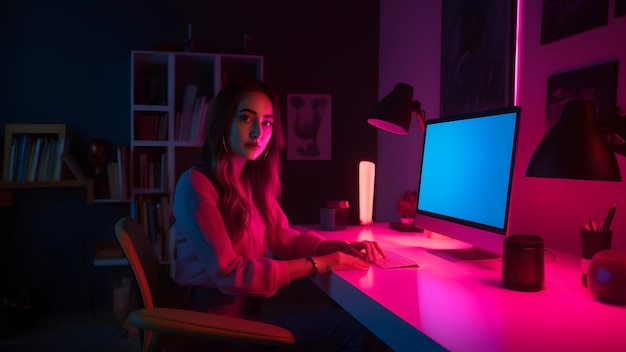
point(12, 162)
point(122, 171)
point(49, 161)
point(202, 124)
point(198, 109)
point(33, 158)
point(187, 112)
point(44, 159)
point(146, 126)
point(177, 117)
point(162, 128)
point(58, 160)
point(22, 156)
point(150, 126)
point(112, 178)
point(154, 214)
point(32, 173)
point(151, 171)
point(143, 170)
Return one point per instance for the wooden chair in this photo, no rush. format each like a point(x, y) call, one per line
point(158, 320)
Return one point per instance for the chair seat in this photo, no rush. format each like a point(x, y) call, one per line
point(191, 323)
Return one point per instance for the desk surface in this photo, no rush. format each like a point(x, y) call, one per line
point(444, 305)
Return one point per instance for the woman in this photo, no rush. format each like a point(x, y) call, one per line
point(228, 220)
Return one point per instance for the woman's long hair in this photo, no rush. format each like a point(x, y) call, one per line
point(262, 175)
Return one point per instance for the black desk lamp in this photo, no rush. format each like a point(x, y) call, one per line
point(393, 113)
point(575, 148)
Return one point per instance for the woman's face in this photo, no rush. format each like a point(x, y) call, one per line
point(251, 129)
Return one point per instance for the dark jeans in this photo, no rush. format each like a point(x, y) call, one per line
point(319, 329)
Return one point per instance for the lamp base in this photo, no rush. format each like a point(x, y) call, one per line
point(398, 226)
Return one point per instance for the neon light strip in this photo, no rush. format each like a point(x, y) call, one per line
point(516, 71)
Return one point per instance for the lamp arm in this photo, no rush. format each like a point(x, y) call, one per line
point(416, 108)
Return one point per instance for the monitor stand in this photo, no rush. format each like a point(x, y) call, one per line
point(465, 254)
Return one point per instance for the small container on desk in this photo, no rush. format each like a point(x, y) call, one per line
point(592, 243)
point(335, 216)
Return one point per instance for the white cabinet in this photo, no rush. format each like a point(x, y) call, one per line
point(169, 95)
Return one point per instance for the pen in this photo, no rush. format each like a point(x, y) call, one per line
point(601, 224)
point(609, 217)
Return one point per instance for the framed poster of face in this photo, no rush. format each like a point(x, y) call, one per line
point(308, 127)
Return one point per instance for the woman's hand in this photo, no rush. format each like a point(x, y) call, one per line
point(366, 250)
point(340, 261)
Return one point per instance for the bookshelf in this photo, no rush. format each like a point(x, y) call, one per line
point(170, 96)
point(7, 189)
point(35, 156)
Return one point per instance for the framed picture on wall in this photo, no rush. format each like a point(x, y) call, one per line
point(597, 83)
point(477, 55)
point(308, 126)
point(564, 18)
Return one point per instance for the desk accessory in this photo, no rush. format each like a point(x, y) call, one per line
point(592, 242)
point(398, 226)
point(367, 174)
point(394, 112)
point(523, 263)
point(607, 276)
point(335, 216)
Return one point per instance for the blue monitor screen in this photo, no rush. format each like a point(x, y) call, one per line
point(467, 168)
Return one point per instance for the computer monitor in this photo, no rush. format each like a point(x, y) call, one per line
point(465, 180)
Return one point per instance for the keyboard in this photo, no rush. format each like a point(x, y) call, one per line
point(394, 260)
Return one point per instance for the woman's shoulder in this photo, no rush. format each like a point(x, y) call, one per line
point(196, 177)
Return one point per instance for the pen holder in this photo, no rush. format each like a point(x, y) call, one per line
point(592, 243)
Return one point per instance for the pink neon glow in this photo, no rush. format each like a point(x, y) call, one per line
point(518, 38)
point(366, 191)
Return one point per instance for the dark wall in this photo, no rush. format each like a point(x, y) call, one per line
point(321, 47)
point(69, 62)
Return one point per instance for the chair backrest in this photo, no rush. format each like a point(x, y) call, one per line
point(142, 258)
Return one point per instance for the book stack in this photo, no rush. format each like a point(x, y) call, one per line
point(35, 158)
point(190, 122)
point(154, 214)
point(117, 174)
point(150, 126)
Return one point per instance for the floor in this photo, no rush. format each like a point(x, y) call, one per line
point(102, 332)
point(73, 335)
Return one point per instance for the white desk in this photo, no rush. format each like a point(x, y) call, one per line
point(446, 305)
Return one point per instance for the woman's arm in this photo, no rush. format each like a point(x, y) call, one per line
point(314, 265)
point(209, 258)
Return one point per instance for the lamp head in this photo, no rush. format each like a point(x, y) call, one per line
point(393, 113)
point(575, 148)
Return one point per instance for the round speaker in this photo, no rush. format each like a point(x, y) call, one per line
point(606, 276)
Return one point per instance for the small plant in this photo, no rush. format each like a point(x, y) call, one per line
point(407, 204)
